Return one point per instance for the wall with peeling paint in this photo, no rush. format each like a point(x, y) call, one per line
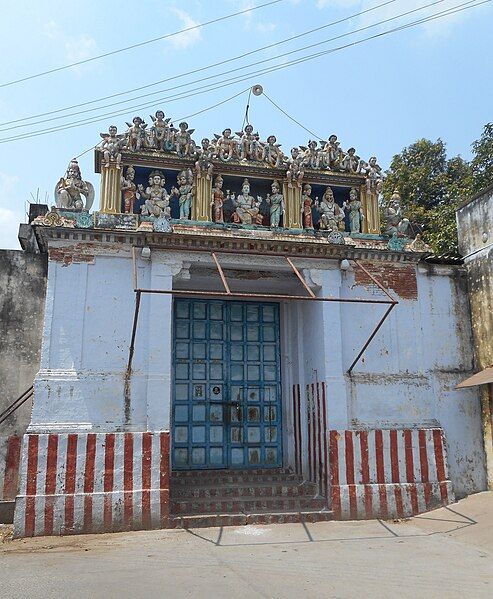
point(22, 292)
point(475, 230)
point(406, 379)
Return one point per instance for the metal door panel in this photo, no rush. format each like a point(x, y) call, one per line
point(227, 386)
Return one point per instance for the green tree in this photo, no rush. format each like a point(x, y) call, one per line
point(482, 162)
point(431, 187)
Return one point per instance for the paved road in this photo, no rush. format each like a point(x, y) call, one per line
point(446, 553)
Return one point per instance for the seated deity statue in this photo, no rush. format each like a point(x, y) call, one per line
point(276, 201)
point(69, 190)
point(156, 197)
point(185, 193)
point(395, 223)
point(162, 132)
point(136, 135)
point(331, 154)
point(129, 190)
point(295, 172)
point(226, 146)
point(246, 206)
point(112, 142)
point(204, 166)
point(311, 157)
point(272, 153)
point(350, 162)
point(331, 215)
point(249, 146)
point(373, 173)
point(184, 145)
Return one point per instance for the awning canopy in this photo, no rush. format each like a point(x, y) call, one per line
point(481, 378)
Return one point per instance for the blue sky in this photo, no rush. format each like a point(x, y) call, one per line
point(430, 81)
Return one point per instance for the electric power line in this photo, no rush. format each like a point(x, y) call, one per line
point(188, 116)
point(200, 69)
point(265, 60)
point(453, 10)
point(139, 44)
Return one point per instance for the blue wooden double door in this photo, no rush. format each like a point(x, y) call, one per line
point(227, 385)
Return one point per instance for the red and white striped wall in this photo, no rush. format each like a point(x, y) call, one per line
point(376, 473)
point(9, 471)
point(392, 473)
point(92, 482)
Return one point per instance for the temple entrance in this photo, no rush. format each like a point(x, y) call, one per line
point(227, 385)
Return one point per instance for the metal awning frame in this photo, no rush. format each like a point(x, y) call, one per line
point(228, 294)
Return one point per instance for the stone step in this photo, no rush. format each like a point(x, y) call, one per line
point(222, 471)
point(245, 506)
point(217, 520)
point(243, 490)
point(228, 479)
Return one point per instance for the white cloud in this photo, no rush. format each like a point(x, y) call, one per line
point(78, 49)
point(9, 217)
point(187, 38)
point(51, 30)
point(9, 227)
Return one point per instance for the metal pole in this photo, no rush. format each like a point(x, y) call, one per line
point(297, 273)
point(221, 273)
point(382, 320)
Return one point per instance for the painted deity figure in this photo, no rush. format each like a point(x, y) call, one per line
point(162, 132)
point(350, 162)
point(184, 193)
point(226, 146)
point(332, 153)
point(330, 212)
point(354, 209)
point(395, 223)
point(204, 165)
point(373, 173)
point(295, 172)
point(276, 201)
point(156, 197)
point(246, 206)
point(306, 207)
point(111, 145)
point(70, 190)
point(184, 145)
point(311, 155)
point(218, 200)
point(135, 135)
point(129, 190)
point(249, 145)
point(272, 153)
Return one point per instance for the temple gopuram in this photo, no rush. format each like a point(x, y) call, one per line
point(235, 337)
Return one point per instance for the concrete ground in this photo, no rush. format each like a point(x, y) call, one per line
point(445, 553)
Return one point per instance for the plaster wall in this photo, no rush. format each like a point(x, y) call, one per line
point(475, 230)
point(90, 308)
point(22, 292)
point(406, 379)
point(411, 368)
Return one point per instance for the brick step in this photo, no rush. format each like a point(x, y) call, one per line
point(222, 471)
point(243, 490)
point(216, 520)
point(228, 479)
point(246, 506)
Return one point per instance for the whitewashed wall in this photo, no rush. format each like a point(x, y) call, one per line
point(407, 378)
